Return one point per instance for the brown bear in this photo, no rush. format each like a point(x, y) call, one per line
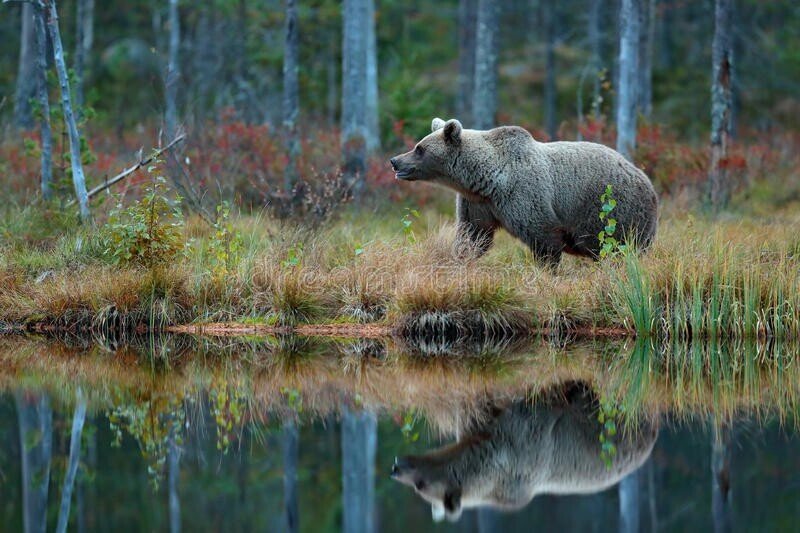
point(545, 194)
point(511, 453)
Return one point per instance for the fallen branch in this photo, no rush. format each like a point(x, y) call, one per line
point(142, 162)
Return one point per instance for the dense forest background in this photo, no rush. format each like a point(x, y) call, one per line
point(557, 68)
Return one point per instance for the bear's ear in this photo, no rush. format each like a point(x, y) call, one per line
point(452, 504)
point(437, 124)
point(452, 132)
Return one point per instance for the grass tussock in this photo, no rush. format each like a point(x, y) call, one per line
point(286, 376)
point(702, 279)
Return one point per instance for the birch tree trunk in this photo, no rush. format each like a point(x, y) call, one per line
point(290, 456)
point(332, 95)
point(78, 179)
point(550, 19)
point(359, 444)
point(173, 475)
point(720, 479)
point(36, 445)
point(173, 72)
point(629, 503)
point(26, 78)
point(354, 93)
point(74, 458)
point(373, 124)
point(721, 104)
point(594, 45)
point(467, 26)
point(43, 95)
point(647, 17)
point(484, 105)
point(628, 66)
point(290, 101)
point(84, 35)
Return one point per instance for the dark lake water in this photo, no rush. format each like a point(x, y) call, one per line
point(344, 439)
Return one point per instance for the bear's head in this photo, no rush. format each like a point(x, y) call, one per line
point(429, 478)
point(436, 158)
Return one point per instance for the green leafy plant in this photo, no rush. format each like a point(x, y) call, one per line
point(293, 256)
point(407, 222)
point(227, 405)
point(609, 245)
point(225, 245)
point(149, 232)
point(409, 426)
point(293, 398)
point(608, 419)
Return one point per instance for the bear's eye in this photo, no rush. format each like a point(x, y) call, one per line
point(419, 150)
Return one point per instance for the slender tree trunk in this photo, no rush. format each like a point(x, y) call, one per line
point(359, 444)
point(665, 8)
point(721, 104)
point(173, 475)
point(26, 78)
point(36, 441)
point(291, 101)
point(484, 105)
point(647, 18)
point(721, 478)
point(467, 26)
point(594, 44)
point(373, 124)
point(173, 71)
point(629, 503)
point(488, 520)
point(331, 77)
point(78, 179)
point(84, 35)
point(628, 66)
point(74, 458)
point(651, 494)
point(550, 20)
point(45, 131)
point(354, 93)
point(203, 59)
point(290, 456)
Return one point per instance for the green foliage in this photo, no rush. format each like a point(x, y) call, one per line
point(225, 246)
point(410, 420)
point(293, 398)
point(607, 417)
point(227, 406)
point(609, 246)
point(153, 423)
point(149, 232)
point(293, 256)
point(407, 222)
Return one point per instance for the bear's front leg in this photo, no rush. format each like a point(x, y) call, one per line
point(475, 227)
point(548, 253)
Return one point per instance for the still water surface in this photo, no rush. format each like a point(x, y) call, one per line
point(322, 437)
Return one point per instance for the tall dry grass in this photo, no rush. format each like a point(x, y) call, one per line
point(729, 278)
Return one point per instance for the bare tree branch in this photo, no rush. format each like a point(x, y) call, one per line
point(142, 162)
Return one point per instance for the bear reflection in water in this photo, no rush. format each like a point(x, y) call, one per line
point(548, 445)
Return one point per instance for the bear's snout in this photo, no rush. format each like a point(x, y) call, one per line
point(393, 162)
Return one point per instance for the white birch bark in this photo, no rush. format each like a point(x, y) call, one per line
point(373, 125)
point(484, 104)
point(721, 104)
point(78, 179)
point(628, 66)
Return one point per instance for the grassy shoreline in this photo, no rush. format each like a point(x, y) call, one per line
point(733, 278)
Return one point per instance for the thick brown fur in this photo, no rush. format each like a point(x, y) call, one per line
point(545, 194)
